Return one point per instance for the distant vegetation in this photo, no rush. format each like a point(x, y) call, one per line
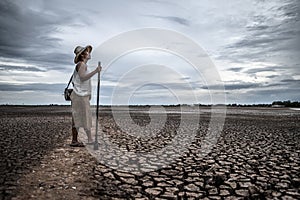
point(294, 104)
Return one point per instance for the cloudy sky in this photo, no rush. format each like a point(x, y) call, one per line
point(254, 45)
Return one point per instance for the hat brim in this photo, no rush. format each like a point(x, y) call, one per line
point(89, 47)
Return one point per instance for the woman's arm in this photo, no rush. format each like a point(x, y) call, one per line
point(81, 67)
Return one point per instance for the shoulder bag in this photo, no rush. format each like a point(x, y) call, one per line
point(68, 91)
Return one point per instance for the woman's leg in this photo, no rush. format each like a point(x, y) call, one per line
point(74, 132)
point(75, 142)
point(75, 129)
point(89, 135)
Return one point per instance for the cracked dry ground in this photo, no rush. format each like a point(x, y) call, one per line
point(256, 157)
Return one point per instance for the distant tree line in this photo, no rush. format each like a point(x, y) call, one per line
point(294, 104)
point(250, 105)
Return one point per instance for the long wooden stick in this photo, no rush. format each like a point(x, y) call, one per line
point(96, 144)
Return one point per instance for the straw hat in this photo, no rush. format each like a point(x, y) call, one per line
point(79, 50)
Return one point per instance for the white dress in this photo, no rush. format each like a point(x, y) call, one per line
point(80, 100)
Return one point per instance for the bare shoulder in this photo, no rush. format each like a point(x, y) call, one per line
point(80, 65)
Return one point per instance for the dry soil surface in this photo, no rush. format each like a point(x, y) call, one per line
point(256, 157)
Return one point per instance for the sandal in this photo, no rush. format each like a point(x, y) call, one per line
point(77, 144)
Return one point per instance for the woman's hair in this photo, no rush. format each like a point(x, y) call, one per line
point(80, 57)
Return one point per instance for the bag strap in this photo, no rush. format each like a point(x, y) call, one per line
point(70, 81)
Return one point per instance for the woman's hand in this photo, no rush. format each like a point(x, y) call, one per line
point(99, 68)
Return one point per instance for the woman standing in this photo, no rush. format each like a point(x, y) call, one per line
point(81, 95)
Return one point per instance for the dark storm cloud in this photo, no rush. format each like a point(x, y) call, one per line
point(252, 42)
point(270, 33)
point(288, 83)
point(21, 29)
point(28, 34)
point(232, 86)
point(272, 76)
point(53, 88)
point(235, 69)
point(185, 78)
point(265, 69)
point(174, 19)
point(291, 81)
point(253, 71)
point(19, 68)
point(240, 86)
